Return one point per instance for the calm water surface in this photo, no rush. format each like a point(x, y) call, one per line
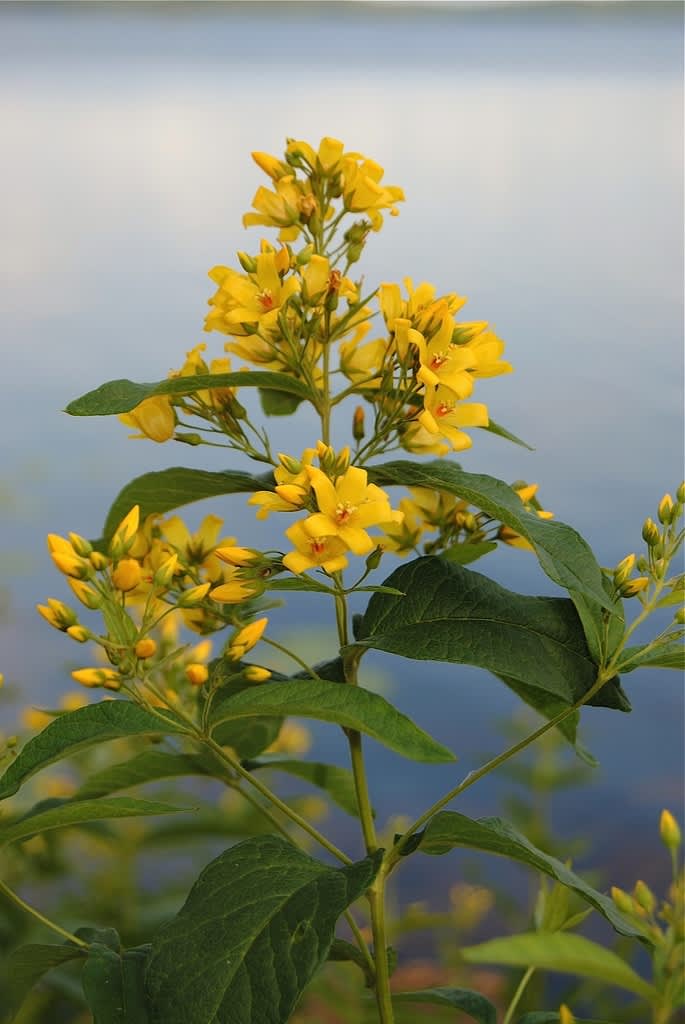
point(541, 153)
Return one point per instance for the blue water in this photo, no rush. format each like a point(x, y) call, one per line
point(540, 149)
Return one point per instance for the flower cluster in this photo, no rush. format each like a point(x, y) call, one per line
point(661, 542)
point(341, 505)
point(155, 578)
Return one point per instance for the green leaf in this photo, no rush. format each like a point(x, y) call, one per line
point(24, 967)
point(603, 630)
point(345, 952)
point(250, 736)
point(350, 706)
point(500, 431)
point(104, 936)
point(471, 1003)
point(123, 395)
point(564, 555)
point(560, 951)
point(160, 492)
point(67, 812)
point(453, 614)
point(256, 926)
point(278, 403)
point(463, 554)
point(114, 985)
point(150, 766)
point(77, 730)
point(337, 782)
point(303, 583)
point(448, 829)
point(668, 655)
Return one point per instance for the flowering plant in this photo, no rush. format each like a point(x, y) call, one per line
point(263, 916)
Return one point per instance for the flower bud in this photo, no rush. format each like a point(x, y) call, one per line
point(374, 559)
point(193, 596)
point(125, 533)
point(624, 569)
point(191, 439)
point(127, 575)
point(72, 565)
point(680, 493)
point(665, 510)
point(650, 532)
point(92, 677)
point(80, 545)
point(358, 424)
point(644, 896)
point(291, 493)
point(79, 633)
point(642, 564)
point(246, 638)
point(247, 262)
point(304, 256)
point(98, 560)
point(290, 464)
point(86, 595)
point(622, 900)
point(145, 647)
point(565, 1015)
point(238, 556)
point(660, 567)
point(165, 573)
point(255, 674)
point(679, 616)
point(197, 674)
point(57, 614)
point(633, 587)
point(669, 830)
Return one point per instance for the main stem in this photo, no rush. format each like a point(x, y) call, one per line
point(376, 893)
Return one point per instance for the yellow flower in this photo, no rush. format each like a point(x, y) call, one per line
point(35, 719)
point(245, 302)
point(194, 549)
point(237, 555)
point(154, 417)
point(289, 206)
point(441, 362)
point(363, 193)
point(293, 738)
point(404, 536)
point(485, 350)
point(362, 363)
point(271, 165)
point(125, 533)
point(347, 508)
point(416, 439)
point(526, 493)
point(145, 647)
point(72, 565)
point(422, 309)
point(312, 551)
point(79, 633)
point(57, 614)
point(86, 595)
point(255, 674)
point(326, 160)
point(443, 414)
point(246, 638)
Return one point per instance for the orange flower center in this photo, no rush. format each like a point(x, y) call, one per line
point(344, 512)
point(266, 300)
point(444, 409)
point(318, 545)
point(438, 360)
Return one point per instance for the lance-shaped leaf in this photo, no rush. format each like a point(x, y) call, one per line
point(349, 706)
point(150, 766)
point(500, 431)
point(471, 1003)
point(123, 395)
point(337, 782)
point(77, 730)
point(450, 613)
point(24, 967)
point(256, 926)
point(448, 829)
point(114, 985)
point(666, 655)
point(160, 492)
point(66, 812)
point(560, 951)
point(564, 555)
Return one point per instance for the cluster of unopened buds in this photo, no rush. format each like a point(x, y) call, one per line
point(662, 540)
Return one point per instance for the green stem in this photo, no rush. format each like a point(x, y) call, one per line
point(395, 854)
point(376, 898)
point(12, 895)
point(291, 654)
point(509, 1015)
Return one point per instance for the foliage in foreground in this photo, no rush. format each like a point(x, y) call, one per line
point(265, 915)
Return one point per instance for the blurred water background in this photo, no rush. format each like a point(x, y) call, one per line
point(540, 148)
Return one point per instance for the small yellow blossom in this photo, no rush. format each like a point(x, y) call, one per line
point(363, 192)
point(125, 533)
point(293, 738)
point(443, 414)
point(290, 205)
point(194, 548)
point(314, 551)
point(72, 565)
point(442, 363)
point(154, 417)
point(85, 594)
point(194, 595)
point(79, 633)
point(238, 556)
point(244, 301)
point(57, 614)
point(347, 508)
point(235, 589)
